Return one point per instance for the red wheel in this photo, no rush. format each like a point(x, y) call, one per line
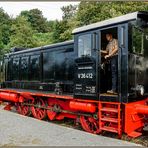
point(38, 112)
point(54, 110)
point(23, 109)
point(90, 125)
point(51, 114)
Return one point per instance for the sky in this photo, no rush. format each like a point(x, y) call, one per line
point(51, 10)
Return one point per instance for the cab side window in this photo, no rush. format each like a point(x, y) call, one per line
point(137, 41)
point(84, 45)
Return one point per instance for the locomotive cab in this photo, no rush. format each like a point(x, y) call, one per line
point(93, 78)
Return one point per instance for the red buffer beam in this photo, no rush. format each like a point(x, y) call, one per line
point(142, 109)
point(135, 118)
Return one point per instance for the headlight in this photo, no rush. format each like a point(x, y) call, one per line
point(140, 90)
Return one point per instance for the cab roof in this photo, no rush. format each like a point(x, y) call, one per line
point(116, 20)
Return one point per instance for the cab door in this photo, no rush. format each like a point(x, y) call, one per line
point(123, 62)
point(85, 79)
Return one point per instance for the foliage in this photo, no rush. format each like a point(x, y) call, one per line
point(36, 19)
point(90, 12)
point(5, 25)
point(43, 39)
point(50, 24)
point(58, 29)
point(66, 26)
point(69, 11)
point(22, 34)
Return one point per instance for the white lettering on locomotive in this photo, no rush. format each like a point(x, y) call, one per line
point(85, 76)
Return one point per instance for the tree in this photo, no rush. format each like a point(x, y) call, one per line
point(43, 38)
point(1, 45)
point(59, 28)
point(90, 12)
point(62, 30)
point(22, 34)
point(4, 17)
point(5, 25)
point(50, 25)
point(69, 11)
point(36, 19)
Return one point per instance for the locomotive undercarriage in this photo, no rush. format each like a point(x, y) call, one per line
point(94, 116)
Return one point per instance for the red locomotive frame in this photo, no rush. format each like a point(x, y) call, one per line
point(94, 116)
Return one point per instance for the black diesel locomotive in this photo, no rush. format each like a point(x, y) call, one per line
point(73, 71)
point(53, 67)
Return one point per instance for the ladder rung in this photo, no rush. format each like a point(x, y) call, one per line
point(115, 120)
point(110, 129)
point(113, 103)
point(109, 109)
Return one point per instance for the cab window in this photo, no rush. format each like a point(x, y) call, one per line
point(145, 40)
point(137, 40)
point(84, 45)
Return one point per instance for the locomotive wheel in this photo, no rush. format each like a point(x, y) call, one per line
point(38, 112)
point(55, 108)
point(23, 109)
point(89, 124)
